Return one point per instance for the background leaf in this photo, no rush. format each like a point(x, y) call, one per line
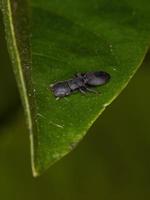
point(70, 37)
point(8, 89)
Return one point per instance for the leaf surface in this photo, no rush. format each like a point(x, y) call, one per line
point(69, 37)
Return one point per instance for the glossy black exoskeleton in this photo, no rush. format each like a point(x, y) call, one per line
point(80, 82)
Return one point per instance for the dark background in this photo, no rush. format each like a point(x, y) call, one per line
point(111, 162)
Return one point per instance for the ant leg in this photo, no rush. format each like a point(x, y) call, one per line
point(91, 90)
point(79, 75)
point(82, 90)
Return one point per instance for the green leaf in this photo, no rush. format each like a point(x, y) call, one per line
point(68, 37)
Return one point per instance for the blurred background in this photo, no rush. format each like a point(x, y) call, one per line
point(112, 162)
